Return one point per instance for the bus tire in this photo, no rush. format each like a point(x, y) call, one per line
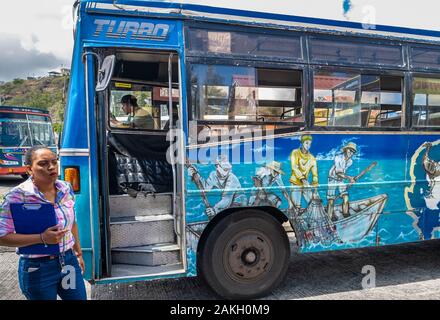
point(246, 255)
point(24, 176)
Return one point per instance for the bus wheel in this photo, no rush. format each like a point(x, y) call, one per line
point(246, 255)
point(24, 176)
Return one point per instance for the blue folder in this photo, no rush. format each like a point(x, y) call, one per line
point(34, 218)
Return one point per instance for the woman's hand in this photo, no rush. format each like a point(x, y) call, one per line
point(81, 262)
point(53, 236)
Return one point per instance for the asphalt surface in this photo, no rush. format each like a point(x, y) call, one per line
point(409, 271)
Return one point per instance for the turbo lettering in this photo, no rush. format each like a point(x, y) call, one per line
point(131, 29)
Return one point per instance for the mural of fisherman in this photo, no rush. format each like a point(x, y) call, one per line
point(223, 179)
point(266, 177)
point(336, 177)
point(303, 163)
point(432, 169)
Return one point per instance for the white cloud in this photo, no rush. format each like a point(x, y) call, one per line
point(18, 61)
point(42, 28)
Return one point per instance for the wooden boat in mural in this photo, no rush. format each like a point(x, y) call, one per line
point(363, 217)
point(314, 226)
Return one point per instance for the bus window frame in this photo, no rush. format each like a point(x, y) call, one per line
point(364, 40)
point(411, 77)
point(303, 68)
point(160, 132)
point(380, 72)
point(416, 69)
point(251, 30)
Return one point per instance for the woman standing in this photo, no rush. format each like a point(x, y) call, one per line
point(43, 277)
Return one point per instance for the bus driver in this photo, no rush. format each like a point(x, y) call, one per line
point(138, 118)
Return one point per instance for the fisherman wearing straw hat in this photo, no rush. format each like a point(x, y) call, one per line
point(336, 177)
point(225, 180)
point(303, 163)
point(266, 177)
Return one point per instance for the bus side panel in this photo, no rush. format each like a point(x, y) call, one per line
point(82, 209)
point(75, 139)
point(382, 209)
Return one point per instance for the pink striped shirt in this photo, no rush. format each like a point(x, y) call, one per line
point(27, 192)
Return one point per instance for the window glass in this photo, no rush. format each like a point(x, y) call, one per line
point(14, 132)
point(236, 93)
point(7, 115)
point(425, 58)
point(33, 117)
point(245, 98)
point(426, 99)
point(336, 99)
point(352, 52)
point(357, 100)
point(41, 133)
point(241, 43)
point(148, 111)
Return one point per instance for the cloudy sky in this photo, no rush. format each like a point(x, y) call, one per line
point(36, 35)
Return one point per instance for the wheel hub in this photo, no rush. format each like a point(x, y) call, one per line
point(248, 256)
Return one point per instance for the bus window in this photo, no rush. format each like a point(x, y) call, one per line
point(242, 98)
point(14, 130)
point(41, 130)
point(244, 43)
point(361, 53)
point(343, 99)
point(426, 101)
point(141, 81)
point(153, 106)
point(425, 58)
point(142, 119)
point(381, 101)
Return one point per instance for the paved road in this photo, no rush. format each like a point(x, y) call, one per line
point(8, 182)
point(410, 271)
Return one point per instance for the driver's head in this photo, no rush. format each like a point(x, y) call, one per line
point(129, 103)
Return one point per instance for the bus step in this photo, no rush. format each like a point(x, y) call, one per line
point(141, 231)
point(124, 271)
point(126, 206)
point(153, 255)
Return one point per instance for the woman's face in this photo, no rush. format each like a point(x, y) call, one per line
point(44, 166)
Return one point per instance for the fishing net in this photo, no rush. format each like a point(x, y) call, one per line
point(315, 226)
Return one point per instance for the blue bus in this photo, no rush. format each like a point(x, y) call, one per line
point(206, 140)
point(20, 129)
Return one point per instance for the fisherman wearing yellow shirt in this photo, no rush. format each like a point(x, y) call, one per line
point(303, 162)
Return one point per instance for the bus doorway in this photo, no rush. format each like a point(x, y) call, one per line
point(140, 230)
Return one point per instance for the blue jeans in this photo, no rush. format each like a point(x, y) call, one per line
point(44, 279)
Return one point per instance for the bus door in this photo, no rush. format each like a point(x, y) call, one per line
point(136, 109)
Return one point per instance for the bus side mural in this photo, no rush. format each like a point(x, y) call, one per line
point(338, 192)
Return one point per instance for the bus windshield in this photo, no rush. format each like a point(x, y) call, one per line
point(21, 130)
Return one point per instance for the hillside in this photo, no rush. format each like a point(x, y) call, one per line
point(46, 93)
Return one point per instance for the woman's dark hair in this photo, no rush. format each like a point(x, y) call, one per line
point(30, 153)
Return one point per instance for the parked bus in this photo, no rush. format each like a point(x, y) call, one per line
point(202, 136)
point(20, 129)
